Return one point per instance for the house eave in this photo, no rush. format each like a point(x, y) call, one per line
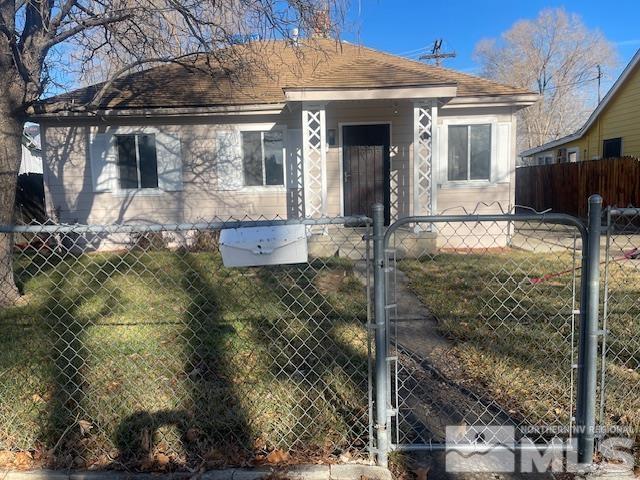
point(217, 110)
point(414, 92)
point(517, 100)
point(551, 145)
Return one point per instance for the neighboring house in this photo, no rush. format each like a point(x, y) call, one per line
point(31, 161)
point(29, 189)
point(612, 130)
point(326, 130)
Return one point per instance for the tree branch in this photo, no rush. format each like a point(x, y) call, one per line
point(61, 15)
point(86, 24)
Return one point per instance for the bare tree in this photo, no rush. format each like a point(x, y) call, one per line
point(106, 39)
point(557, 56)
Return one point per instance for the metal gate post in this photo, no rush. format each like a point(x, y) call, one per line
point(382, 368)
point(588, 347)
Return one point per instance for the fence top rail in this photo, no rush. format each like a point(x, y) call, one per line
point(623, 212)
point(353, 221)
point(553, 218)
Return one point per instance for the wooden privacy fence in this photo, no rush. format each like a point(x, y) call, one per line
point(564, 187)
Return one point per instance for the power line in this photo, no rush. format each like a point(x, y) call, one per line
point(415, 51)
point(579, 82)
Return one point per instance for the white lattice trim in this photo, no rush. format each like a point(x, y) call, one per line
point(424, 130)
point(315, 162)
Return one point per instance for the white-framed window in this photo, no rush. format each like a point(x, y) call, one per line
point(469, 152)
point(263, 157)
point(572, 155)
point(137, 161)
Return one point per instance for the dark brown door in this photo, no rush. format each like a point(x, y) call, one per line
point(365, 168)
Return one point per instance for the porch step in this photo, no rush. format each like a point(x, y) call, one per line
point(348, 242)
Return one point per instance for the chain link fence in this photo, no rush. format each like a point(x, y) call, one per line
point(133, 347)
point(484, 318)
point(620, 362)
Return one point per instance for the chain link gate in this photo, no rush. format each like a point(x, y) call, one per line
point(481, 320)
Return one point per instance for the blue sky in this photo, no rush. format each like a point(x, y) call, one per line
point(400, 26)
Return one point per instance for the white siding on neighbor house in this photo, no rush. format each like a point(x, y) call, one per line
point(31, 161)
point(200, 174)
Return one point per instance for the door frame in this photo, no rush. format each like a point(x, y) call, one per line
point(341, 152)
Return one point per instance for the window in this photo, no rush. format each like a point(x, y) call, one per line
point(137, 161)
point(263, 158)
point(469, 152)
point(562, 155)
point(612, 148)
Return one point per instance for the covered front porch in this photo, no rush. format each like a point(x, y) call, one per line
point(356, 152)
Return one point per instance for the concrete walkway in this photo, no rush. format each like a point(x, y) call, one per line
point(429, 397)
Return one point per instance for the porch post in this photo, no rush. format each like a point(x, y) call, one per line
point(425, 118)
point(315, 160)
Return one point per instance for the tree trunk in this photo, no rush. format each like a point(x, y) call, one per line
point(10, 156)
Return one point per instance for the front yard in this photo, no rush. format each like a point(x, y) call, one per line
point(512, 337)
point(161, 360)
point(157, 360)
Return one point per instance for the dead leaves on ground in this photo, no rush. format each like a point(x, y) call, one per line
point(277, 456)
point(85, 427)
point(18, 460)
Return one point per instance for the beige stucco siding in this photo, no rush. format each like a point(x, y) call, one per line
point(483, 197)
point(71, 196)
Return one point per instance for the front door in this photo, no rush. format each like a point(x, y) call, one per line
point(365, 162)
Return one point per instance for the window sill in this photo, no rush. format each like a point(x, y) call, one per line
point(264, 188)
point(468, 184)
point(138, 192)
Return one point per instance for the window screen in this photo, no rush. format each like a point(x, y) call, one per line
point(469, 152)
point(263, 158)
point(252, 158)
point(137, 161)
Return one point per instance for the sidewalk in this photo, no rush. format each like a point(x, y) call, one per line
point(298, 472)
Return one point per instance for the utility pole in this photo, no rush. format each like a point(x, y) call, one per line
point(599, 78)
point(436, 54)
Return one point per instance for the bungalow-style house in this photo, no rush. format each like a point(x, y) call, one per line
point(611, 131)
point(322, 128)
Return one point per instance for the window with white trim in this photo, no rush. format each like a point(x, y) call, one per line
point(469, 152)
point(263, 158)
point(137, 161)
